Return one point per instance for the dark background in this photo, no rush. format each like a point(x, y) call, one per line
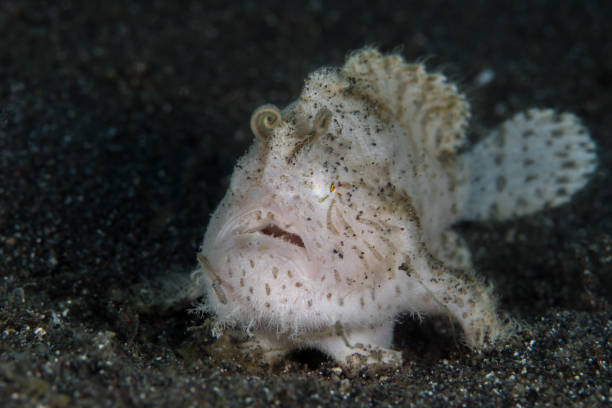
point(119, 126)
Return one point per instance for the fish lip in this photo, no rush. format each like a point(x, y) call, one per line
point(246, 226)
point(275, 231)
point(267, 220)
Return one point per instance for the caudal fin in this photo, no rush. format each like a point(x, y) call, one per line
point(535, 160)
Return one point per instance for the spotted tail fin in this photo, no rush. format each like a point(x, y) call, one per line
point(535, 160)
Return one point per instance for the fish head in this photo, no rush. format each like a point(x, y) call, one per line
point(289, 225)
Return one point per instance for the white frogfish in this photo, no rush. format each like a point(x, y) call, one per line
point(339, 217)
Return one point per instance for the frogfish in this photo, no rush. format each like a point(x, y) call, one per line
point(338, 219)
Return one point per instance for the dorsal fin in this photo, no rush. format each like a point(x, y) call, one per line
point(430, 109)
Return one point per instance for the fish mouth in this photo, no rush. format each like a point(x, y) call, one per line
point(267, 222)
point(275, 231)
point(262, 231)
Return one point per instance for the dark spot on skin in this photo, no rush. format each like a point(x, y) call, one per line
point(568, 165)
point(557, 133)
point(500, 183)
point(494, 210)
point(406, 268)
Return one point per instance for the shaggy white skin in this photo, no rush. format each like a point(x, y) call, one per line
point(338, 217)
